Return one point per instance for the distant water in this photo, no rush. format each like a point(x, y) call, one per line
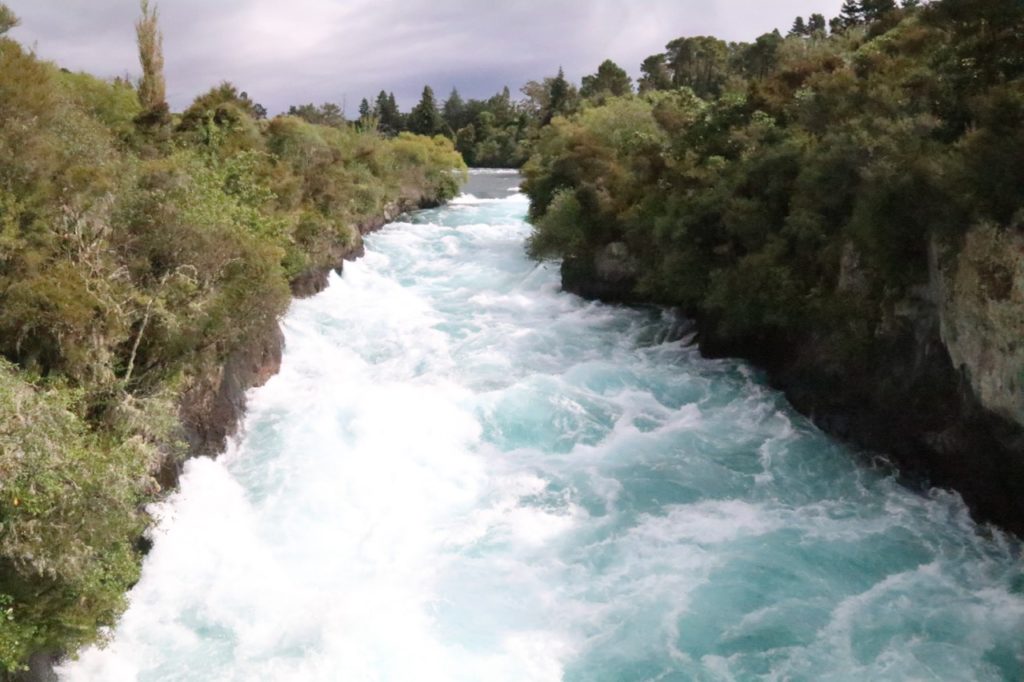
point(463, 474)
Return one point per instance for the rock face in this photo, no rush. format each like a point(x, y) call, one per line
point(982, 316)
point(938, 390)
point(211, 409)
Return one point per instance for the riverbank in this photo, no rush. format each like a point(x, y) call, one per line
point(211, 411)
point(903, 398)
point(861, 244)
point(148, 258)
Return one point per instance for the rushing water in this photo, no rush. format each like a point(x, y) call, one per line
point(462, 473)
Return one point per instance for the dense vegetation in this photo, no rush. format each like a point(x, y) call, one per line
point(139, 250)
point(491, 133)
point(494, 133)
point(791, 187)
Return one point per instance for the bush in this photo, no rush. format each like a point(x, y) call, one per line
point(69, 513)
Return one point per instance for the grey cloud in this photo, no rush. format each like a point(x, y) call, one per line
point(333, 50)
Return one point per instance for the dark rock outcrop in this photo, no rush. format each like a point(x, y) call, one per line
point(212, 407)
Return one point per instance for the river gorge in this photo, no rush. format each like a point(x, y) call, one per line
point(463, 473)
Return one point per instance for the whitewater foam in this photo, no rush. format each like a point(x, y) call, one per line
point(462, 473)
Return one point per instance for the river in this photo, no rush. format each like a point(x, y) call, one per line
point(463, 474)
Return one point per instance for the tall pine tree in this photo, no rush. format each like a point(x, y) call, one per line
point(454, 112)
point(560, 94)
point(425, 119)
point(390, 119)
point(851, 14)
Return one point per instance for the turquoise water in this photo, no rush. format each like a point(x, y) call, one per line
point(462, 473)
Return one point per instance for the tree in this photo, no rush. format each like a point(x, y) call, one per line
point(327, 114)
point(610, 79)
point(699, 63)
point(816, 24)
point(873, 10)
point(759, 59)
point(561, 97)
point(388, 113)
point(465, 143)
point(851, 14)
point(256, 110)
point(152, 87)
point(8, 20)
point(910, 4)
point(425, 119)
point(331, 114)
point(224, 103)
point(364, 109)
point(799, 28)
point(454, 111)
point(655, 74)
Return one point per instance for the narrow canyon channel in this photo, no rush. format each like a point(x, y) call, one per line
point(462, 473)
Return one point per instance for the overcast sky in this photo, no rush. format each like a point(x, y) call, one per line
point(293, 51)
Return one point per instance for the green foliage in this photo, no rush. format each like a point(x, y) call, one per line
point(425, 119)
point(327, 114)
point(745, 172)
point(428, 163)
point(8, 19)
point(69, 501)
point(386, 111)
point(114, 104)
point(454, 112)
point(699, 63)
point(489, 133)
point(561, 230)
point(656, 75)
point(152, 86)
point(611, 80)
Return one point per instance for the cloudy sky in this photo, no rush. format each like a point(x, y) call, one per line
point(294, 51)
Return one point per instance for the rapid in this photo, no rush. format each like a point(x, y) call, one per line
point(462, 473)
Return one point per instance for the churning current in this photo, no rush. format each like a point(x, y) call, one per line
point(463, 474)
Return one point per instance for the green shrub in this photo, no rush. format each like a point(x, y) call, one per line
point(69, 513)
